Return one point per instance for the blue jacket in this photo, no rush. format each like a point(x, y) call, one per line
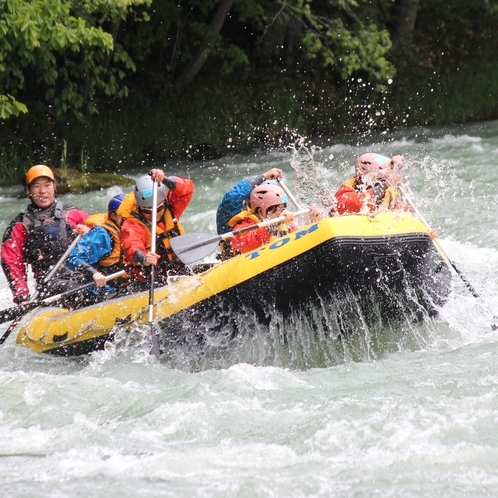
point(234, 201)
point(92, 247)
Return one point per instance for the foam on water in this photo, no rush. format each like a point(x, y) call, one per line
point(398, 410)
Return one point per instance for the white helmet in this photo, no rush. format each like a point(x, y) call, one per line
point(144, 188)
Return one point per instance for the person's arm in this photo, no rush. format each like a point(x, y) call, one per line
point(134, 238)
point(94, 246)
point(180, 193)
point(13, 261)
point(348, 200)
point(76, 217)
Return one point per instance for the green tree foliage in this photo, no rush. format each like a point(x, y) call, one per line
point(262, 35)
point(57, 53)
point(63, 54)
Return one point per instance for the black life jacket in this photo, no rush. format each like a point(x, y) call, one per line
point(49, 235)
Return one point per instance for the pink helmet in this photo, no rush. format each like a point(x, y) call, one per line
point(373, 165)
point(265, 196)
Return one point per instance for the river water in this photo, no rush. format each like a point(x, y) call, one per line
point(413, 415)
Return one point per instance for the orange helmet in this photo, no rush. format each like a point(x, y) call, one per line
point(37, 171)
point(266, 196)
point(373, 165)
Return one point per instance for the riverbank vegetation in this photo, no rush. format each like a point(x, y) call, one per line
point(108, 85)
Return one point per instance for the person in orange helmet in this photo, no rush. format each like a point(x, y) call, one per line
point(39, 237)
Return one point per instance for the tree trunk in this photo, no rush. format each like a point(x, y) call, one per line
point(195, 65)
point(114, 33)
point(403, 23)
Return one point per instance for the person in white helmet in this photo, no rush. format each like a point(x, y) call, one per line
point(373, 187)
point(39, 237)
point(173, 196)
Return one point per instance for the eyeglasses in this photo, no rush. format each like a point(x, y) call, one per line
point(160, 207)
point(276, 209)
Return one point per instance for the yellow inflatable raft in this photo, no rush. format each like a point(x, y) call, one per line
point(387, 261)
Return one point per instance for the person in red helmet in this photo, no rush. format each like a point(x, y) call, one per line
point(372, 188)
point(257, 198)
point(39, 237)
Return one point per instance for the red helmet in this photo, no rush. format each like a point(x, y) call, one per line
point(265, 196)
point(374, 165)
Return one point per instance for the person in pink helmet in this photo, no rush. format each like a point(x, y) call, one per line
point(249, 202)
point(373, 187)
point(267, 201)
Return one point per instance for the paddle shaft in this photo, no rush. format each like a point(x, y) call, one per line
point(194, 246)
point(290, 195)
point(18, 311)
point(153, 337)
point(230, 235)
point(438, 245)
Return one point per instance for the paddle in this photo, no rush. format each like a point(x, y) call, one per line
point(290, 195)
point(465, 280)
point(438, 245)
point(17, 311)
point(47, 278)
point(153, 336)
point(194, 246)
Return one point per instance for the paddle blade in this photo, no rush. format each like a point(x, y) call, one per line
point(194, 246)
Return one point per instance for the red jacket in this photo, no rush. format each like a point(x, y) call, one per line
point(248, 241)
point(136, 234)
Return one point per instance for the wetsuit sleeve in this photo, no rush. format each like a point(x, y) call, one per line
point(248, 241)
point(233, 202)
point(180, 195)
point(13, 261)
point(94, 246)
point(134, 242)
point(76, 217)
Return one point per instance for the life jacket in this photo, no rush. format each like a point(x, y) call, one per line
point(245, 214)
point(172, 227)
point(226, 247)
point(49, 235)
point(388, 201)
point(276, 230)
point(116, 255)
